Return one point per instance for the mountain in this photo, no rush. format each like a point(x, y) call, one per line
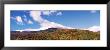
point(56, 34)
point(93, 29)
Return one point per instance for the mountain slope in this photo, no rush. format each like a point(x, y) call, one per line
point(56, 34)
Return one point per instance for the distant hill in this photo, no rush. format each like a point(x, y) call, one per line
point(56, 34)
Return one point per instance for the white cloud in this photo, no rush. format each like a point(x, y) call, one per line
point(93, 11)
point(36, 16)
point(59, 13)
point(18, 19)
point(47, 12)
point(19, 30)
point(30, 29)
point(30, 22)
point(52, 11)
point(45, 24)
point(93, 28)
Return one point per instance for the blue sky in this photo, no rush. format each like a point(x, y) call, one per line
point(21, 19)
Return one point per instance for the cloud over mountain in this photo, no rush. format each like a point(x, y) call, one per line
point(45, 24)
point(94, 28)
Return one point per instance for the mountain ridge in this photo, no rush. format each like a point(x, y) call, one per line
point(55, 29)
point(56, 34)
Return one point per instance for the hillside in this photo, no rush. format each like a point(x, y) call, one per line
point(56, 34)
